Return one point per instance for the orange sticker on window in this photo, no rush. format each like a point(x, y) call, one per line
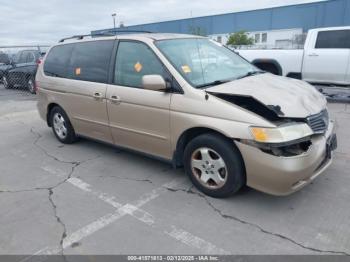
point(138, 67)
point(78, 71)
point(186, 69)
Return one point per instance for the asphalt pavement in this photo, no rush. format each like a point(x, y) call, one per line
point(91, 198)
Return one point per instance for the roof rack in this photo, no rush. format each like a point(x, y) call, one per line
point(110, 33)
point(80, 37)
point(129, 31)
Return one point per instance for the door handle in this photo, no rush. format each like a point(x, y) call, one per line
point(98, 96)
point(115, 99)
point(313, 55)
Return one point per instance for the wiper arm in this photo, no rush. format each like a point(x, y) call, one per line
point(219, 82)
point(251, 73)
point(214, 83)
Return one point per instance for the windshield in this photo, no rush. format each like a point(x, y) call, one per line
point(203, 62)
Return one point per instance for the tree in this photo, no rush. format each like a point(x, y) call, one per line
point(240, 38)
point(197, 30)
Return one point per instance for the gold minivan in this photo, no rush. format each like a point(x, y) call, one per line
point(193, 102)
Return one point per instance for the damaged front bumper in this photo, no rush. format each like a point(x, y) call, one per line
point(283, 175)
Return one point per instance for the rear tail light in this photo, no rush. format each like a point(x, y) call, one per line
point(39, 61)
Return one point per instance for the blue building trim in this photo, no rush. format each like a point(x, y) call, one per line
point(305, 16)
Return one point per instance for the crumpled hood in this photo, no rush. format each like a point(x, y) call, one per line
point(296, 99)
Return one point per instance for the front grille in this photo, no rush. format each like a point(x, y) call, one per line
point(319, 122)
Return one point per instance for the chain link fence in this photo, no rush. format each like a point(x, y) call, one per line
point(18, 66)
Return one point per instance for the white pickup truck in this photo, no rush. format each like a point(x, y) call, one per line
point(325, 58)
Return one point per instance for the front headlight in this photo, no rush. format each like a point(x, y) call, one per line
point(280, 134)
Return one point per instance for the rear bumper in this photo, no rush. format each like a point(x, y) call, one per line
point(284, 175)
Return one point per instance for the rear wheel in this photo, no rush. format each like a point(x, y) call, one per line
point(31, 85)
point(61, 126)
point(6, 82)
point(214, 165)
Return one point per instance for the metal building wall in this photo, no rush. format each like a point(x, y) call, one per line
point(306, 16)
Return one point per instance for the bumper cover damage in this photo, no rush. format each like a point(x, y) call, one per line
point(281, 174)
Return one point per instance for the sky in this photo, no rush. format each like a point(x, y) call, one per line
point(47, 21)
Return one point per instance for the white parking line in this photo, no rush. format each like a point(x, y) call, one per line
point(87, 188)
point(194, 241)
point(128, 208)
point(108, 219)
point(143, 216)
point(92, 228)
point(135, 211)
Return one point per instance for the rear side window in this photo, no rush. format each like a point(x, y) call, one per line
point(22, 57)
point(333, 39)
point(57, 61)
point(90, 61)
point(30, 58)
point(134, 60)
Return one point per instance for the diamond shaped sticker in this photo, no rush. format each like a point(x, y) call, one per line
point(138, 67)
point(78, 71)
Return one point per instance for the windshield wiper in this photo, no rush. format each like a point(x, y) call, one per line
point(251, 73)
point(219, 82)
point(214, 83)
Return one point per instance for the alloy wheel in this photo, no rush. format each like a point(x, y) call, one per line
point(31, 87)
point(59, 125)
point(4, 81)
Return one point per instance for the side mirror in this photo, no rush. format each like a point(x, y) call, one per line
point(154, 82)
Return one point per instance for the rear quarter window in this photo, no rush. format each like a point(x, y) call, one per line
point(57, 61)
point(90, 61)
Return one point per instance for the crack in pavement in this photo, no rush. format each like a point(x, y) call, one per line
point(256, 226)
point(35, 143)
point(128, 179)
point(59, 220)
point(75, 165)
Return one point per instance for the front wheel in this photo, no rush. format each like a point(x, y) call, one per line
point(214, 165)
point(6, 82)
point(61, 126)
point(31, 85)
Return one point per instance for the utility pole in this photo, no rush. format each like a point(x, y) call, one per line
point(114, 16)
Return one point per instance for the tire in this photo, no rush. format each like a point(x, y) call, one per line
point(61, 126)
point(268, 67)
point(6, 82)
point(224, 164)
point(31, 85)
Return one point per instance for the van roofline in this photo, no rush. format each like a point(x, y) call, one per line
point(143, 34)
point(115, 33)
